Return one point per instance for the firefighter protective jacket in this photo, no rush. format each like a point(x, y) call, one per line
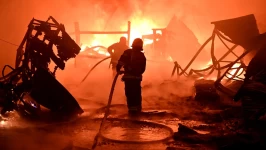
point(134, 63)
point(118, 48)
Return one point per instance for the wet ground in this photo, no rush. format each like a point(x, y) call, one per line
point(171, 119)
point(152, 129)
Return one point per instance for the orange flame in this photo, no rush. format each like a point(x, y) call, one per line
point(139, 27)
point(230, 73)
point(97, 49)
point(169, 58)
point(234, 70)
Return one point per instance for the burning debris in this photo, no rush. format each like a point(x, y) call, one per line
point(94, 52)
point(165, 41)
point(205, 90)
point(31, 83)
point(158, 42)
point(241, 31)
point(250, 78)
point(253, 89)
point(96, 49)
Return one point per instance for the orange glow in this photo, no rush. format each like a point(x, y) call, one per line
point(169, 58)
point(2, 122)
point(83, 47)
point(230, 73)
point(97, 49)
point(139, 27)
point(207, 65)
point(233, 71)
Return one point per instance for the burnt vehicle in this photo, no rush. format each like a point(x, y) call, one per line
point(31, 83)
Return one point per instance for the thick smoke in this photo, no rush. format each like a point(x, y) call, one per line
point(113, 15)
point(98, 15)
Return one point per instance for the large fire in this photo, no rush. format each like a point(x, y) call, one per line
point(97, 49)
point(139, 27)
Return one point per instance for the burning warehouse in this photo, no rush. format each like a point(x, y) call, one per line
point(171, 88)
point(175, 35)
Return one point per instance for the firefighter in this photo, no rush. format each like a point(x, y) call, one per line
point(115, 51)
point(134, 63)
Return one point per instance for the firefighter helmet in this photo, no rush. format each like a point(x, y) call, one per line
point(123, 39)
point(137, 43)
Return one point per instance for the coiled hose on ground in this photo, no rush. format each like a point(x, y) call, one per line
point(95, 142)
point(107, 109)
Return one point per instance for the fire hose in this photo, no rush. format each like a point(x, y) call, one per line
point(104, 119)
point(95, 142)
point(97, 65)
point(106, 113)
point(93, 68)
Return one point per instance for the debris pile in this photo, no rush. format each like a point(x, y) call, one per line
point(205, 90)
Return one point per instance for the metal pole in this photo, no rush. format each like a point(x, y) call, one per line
point(77, 36)
point(128, 32)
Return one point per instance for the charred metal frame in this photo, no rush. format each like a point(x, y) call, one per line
point(216, 64)
point(32, 74)
point(33, 46)
point(153, 36)
point(78, 32)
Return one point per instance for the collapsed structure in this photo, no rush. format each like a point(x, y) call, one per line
point(241, 31)
point(175, 40)
point(32, 83)
point(165, 43)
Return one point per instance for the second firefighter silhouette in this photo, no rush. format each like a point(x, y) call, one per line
point(116, 50)
point(134, 63)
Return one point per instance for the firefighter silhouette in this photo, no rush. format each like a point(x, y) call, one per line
point(134, 63)
point(115, 51)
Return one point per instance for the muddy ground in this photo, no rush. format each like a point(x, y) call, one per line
point(171, 119)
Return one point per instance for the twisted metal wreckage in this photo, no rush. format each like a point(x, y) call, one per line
point(242, 31)
point(31, 83)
